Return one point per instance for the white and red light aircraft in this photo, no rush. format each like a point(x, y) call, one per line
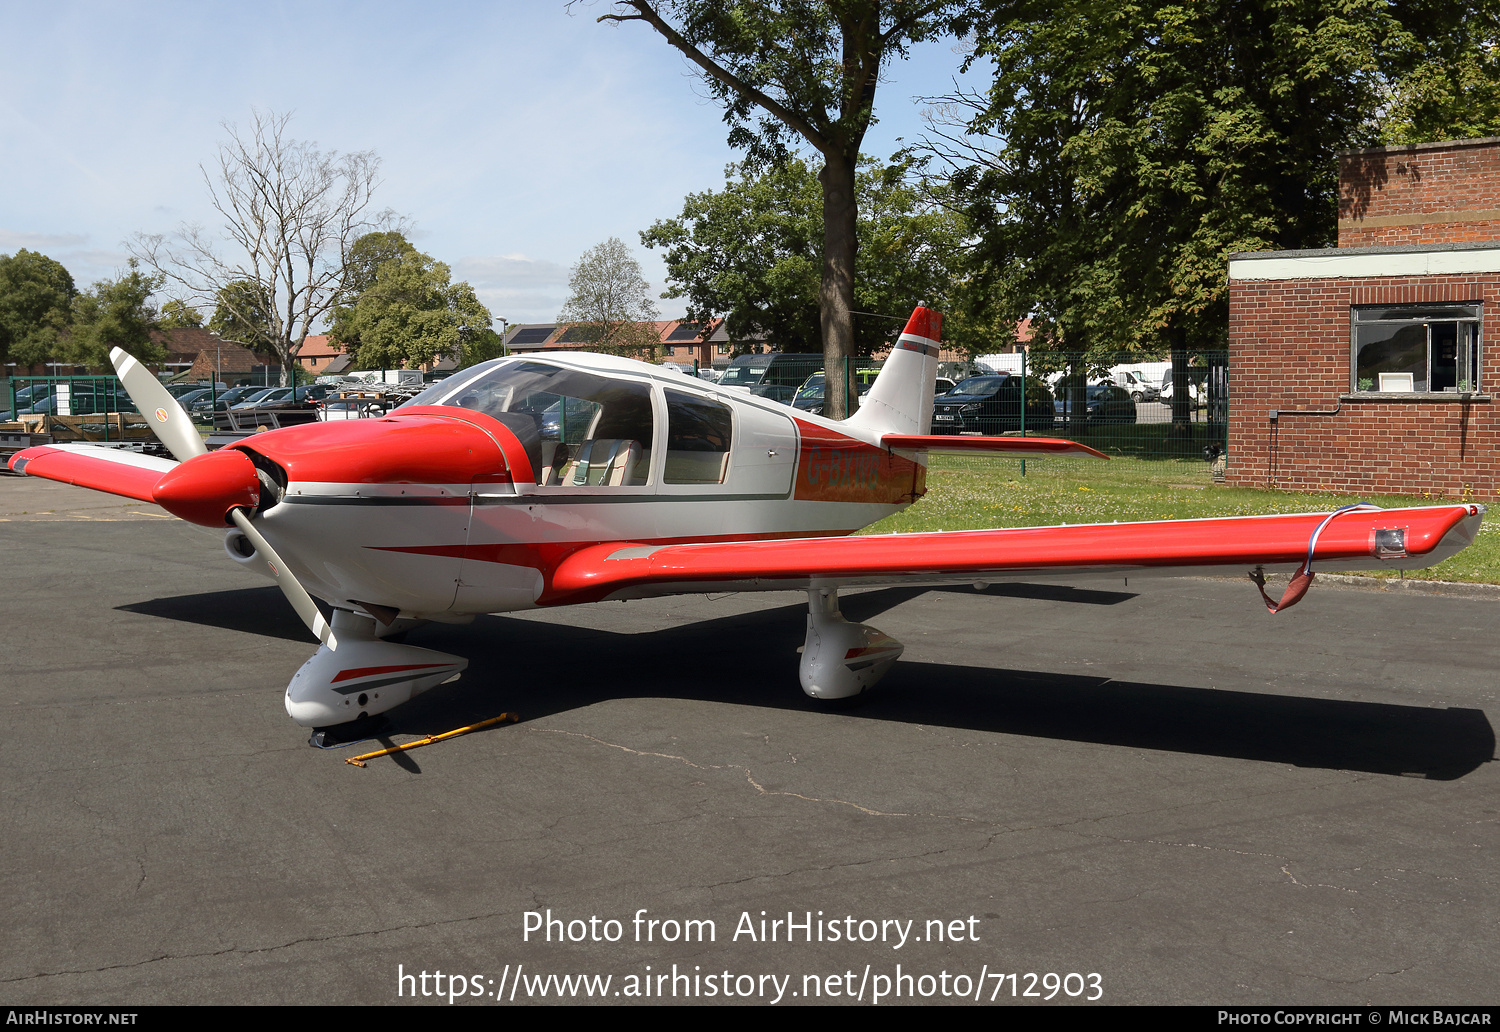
point(547, 481)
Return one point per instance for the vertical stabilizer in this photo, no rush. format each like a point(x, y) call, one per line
point(900, 402)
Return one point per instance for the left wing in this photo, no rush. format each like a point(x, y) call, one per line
point(1357, 539)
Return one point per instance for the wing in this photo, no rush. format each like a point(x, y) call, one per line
point(1360, 539)
point(129, 474)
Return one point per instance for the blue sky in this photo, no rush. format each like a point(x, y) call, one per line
point(513, 135)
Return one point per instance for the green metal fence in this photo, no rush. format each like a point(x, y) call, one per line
point(1118, 409)
point(64, 396)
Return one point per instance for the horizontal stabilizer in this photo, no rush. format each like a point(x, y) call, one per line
point(126, 473)
point(1366, 539)
point(1019, 447)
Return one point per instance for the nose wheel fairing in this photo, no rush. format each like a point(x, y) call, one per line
point(363, 676)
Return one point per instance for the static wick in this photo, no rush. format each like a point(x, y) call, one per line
point(359, 761)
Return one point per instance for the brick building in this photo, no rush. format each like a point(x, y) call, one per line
point(1363, 368)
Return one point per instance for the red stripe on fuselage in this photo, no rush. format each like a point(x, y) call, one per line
point(833, 467)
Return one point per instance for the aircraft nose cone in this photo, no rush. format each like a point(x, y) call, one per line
point(205, 488)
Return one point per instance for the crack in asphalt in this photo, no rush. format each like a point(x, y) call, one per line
point(749, 777)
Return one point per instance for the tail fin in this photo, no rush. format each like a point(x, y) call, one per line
point(900, 402)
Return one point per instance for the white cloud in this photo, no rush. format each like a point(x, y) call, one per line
point(514, 287)
point(13, 240)
point(510, 270)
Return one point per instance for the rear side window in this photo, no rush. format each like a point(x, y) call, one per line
point(699, 437)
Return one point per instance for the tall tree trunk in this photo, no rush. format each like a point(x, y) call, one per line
point(836, 296)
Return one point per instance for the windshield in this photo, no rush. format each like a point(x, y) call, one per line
point(578, 429)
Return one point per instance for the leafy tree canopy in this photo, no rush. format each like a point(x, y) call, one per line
point(115, 313)
point(800, 70)
point(411, 313)
point(1124, 151)
point(362, 263)
point(36, 306)
point(752, 253)
point(243, 316)
point(1445, 73)
point(178, 315)
point(609, 303)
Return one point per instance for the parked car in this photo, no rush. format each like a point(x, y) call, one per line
point(566, 420)
point(284, 397)
point(809, 398)
point(1103, 403)
point(179, 390)
point(204, 408)
point(1134, 383)
point(85, 399)
point(1195, 387)
point(992, 405)
point(777, 392)
point(786, 368)
point(28, 396)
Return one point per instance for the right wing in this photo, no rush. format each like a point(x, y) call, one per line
point(126, 473)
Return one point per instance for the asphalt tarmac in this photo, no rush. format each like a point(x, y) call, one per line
point(1136, 793)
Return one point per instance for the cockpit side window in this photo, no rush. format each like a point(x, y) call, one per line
point(588, 430)
point(699, 439)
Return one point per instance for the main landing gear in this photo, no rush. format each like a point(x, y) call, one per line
point(841, 659)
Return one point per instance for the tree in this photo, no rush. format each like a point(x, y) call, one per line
point(406, 313)
point(609, 303)
point(1124, 151)
point(36, 306)
point(291, 214)
point(1450, 86)
point(115, 313)
point(752, 253)
point(178, 315)
point(243, 316)
point(363, 261)
point(800, 69)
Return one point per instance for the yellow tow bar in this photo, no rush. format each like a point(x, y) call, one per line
point(359, 761)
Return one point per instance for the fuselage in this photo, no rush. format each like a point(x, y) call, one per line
point(464, 501)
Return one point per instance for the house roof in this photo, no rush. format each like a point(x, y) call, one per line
point(183, 343)
point(562, 336)
point(316, 346)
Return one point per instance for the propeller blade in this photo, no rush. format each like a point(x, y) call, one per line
point(161, 410)
point(295, 593)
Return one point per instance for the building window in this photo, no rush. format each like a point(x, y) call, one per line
point(1415, 348)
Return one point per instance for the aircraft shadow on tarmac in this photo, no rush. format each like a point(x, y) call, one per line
point(537, 669)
